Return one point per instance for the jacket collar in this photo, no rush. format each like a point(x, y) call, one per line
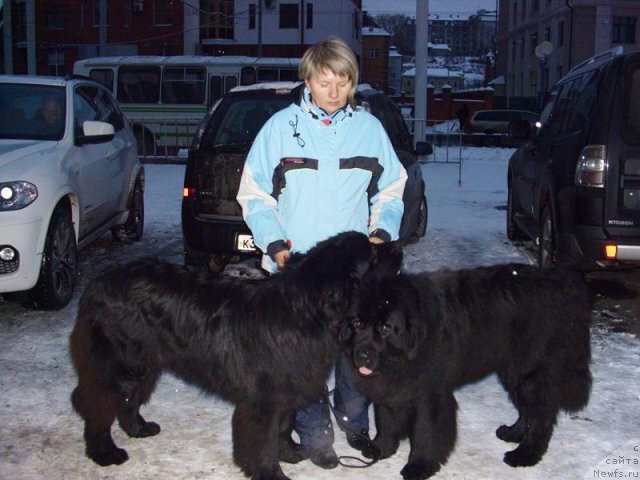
point(316, 113)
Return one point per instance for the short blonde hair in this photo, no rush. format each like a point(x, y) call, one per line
point(332, 54)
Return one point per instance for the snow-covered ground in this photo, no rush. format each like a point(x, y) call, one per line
point(41, 436)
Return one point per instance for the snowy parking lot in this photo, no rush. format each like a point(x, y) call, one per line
point(41, 436)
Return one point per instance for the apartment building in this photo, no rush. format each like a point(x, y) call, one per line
point(574, 29)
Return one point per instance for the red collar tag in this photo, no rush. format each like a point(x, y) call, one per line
point(326, 121)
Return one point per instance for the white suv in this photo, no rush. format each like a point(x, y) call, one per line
point(69, 172)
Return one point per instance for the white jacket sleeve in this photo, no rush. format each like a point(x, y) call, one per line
point(259, 207)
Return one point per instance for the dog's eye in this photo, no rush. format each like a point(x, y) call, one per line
point(356, 324)
point(384, 329)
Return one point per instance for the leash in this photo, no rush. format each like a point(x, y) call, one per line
point(345, 459)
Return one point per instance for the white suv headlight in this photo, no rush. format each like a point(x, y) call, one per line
point(17, 195)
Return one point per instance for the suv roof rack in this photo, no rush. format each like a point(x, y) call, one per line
point(607, 54)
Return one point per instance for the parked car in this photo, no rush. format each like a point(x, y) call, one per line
point(69, 172)
point(496, 121)
point(491, 127)
point(214, 231)
point(574, 186)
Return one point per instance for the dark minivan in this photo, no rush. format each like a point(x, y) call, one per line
point(574, 186)
point(214, 231)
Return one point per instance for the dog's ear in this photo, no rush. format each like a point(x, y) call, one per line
point(345, 333)
point(414, 338)
point(415, 328)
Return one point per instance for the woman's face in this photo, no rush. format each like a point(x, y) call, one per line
point(329, 91)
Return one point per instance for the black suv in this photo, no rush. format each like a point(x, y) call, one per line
point(213, 229)
point(574, 186)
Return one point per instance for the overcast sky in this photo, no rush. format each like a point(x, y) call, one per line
point(408, 7)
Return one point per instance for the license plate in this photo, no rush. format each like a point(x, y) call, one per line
point(244, 243)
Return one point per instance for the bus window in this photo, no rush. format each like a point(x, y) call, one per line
point(247, 76)
point(139, 84)
point(289, 75)
point(103, 76)
point(215, 88)
point(183, 85)
point(218, 87)
point(267, 75)
point(229, 82)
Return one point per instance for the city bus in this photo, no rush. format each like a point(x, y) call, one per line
point(166, 96)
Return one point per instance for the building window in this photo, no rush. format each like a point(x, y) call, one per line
point(374, 53)
point(623, 30)
point(533, 83)
point(536, 5)
point(55, 59)
point(55, 17)
point(126, 13)
point(96, 15)
point(309, 20)
point(560, 34)
point(216, 19)
point(534, 44)
point(515, 13)
point(162, 14)
point(514, 49)
point(288, 15)
point(522, 47)
point(547, 34)
point(252, 16)
point(524, 10)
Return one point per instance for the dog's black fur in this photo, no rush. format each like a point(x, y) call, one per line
point(415, 338)
point(265, 345)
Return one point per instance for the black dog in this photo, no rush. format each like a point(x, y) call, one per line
point(265, 345)
point(416, 338)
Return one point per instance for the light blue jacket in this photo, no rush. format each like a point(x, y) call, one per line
point(309, 176)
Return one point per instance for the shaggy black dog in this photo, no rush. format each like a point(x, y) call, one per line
point(416, 338)
point(265, 345)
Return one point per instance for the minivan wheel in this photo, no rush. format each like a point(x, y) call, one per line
point(546, 243)
point(133, 228)
point(59, 268)
point(513, 232)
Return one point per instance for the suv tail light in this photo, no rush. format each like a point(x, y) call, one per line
point(591, 166)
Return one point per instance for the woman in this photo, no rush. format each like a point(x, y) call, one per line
point(317, 168)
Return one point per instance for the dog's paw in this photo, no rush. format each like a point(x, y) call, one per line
point(419, 470)
point(149, 429)
point(115, 456)
point(291, 452)
point(521, 457)
point(372, 451)
point(509, 434)
point(270, 474)
point(380, 448)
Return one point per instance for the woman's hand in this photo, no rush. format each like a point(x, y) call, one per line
point(281, 258)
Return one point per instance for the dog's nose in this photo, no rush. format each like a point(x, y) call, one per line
point(362, 357)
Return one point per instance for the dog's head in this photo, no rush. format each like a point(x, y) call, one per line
point(385, 330)
point(333, 269)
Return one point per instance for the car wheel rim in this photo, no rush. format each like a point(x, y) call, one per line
point(422, 218)
point(546, 242)
point(63, 261)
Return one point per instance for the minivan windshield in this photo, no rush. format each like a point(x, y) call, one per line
point(32, 112)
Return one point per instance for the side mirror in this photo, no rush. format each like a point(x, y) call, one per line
point(95, 132)
point(520, 130)
point(423, 148)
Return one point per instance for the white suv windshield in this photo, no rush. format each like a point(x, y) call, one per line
point(32, 112)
